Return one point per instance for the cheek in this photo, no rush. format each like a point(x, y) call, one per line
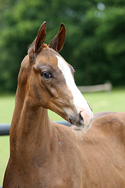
point(65, 99)
point(53, 92)
point(41, 95)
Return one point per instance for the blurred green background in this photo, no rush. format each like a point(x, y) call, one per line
point(95, 40)
point(95, 46)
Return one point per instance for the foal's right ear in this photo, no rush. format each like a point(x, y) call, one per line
point(38, 42)
point(58, 41)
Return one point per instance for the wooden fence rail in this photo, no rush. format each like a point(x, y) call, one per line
point(96, 88)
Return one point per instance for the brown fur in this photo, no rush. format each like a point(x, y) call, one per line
point(44, 154)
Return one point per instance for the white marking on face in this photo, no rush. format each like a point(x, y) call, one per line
point(78, 99)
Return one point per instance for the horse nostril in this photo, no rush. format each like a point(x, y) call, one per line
point(70, 120)
point(76, 120)
point(81, 118)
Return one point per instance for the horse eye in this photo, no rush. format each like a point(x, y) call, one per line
point(46, 75)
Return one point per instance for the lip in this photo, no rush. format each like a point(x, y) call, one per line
point(77, 128)
point(81, 127)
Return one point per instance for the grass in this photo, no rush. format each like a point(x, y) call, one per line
point(113, 101)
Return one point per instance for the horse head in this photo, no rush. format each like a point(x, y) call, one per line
point(51, 82)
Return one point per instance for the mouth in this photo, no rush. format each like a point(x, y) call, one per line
point(81, 121)
point(77, 128)
point(81, 127)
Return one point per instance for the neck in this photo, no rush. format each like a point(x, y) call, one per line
point(30, 127)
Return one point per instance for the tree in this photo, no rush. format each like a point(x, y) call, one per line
point(94, 42)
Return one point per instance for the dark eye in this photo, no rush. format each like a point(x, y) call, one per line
point(46, 75)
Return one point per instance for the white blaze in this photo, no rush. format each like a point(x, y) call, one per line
point(78, 99)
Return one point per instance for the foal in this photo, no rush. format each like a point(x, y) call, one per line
point(44, 154)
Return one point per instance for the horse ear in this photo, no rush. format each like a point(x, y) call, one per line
point(58, 41)
point(38, 41)
point(40, 37)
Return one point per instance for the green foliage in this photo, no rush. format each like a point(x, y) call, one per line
point(94, 43)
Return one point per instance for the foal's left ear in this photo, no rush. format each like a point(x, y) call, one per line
point(58, 41)
point(38, 42)
point(40, 37)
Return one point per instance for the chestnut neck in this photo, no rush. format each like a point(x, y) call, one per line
point(31, 128)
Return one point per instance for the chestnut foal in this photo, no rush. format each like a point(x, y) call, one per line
point(44, 154)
